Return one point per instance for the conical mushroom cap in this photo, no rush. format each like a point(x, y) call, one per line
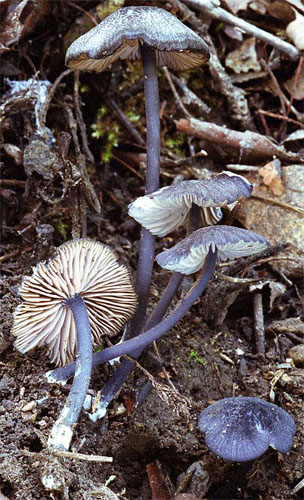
point(163, 211)
point(242, 428)
point(188, 256)
point(119, 35)
point(80, 266)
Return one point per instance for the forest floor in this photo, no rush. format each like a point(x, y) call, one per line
point(72, 159)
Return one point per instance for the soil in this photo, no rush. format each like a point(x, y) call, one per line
point(209, 355)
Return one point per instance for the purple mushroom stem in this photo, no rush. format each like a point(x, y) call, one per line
point(116, 381)
point(126, 366)
point(147, 245)
point(62, 431)
point(141, 341)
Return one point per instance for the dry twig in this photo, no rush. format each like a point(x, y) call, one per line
point(248, 145)
point(212, 8)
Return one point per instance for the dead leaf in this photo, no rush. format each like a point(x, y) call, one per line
point(129, 402)
point(295, 30)
point(244, 58)
point(260, 6)
point(21, 20)
point(159, 483)
point(235, 5)
point(271, 177)
point(295, 85)
point(279, 224)
point(282, 11)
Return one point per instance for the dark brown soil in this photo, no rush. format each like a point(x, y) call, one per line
point(209, 355)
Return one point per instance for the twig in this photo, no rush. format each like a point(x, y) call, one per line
point(259, 323)
point(82, 456)
point(84, 12)
point(248, 145)
point(124, 120)
point(174, 92)
point(9, 255)
point(191, 97)
point(279, 203)
point(12, 183)
point(280, 117)
point(235, 96)
point(298, 487)
point(242, 168)
point(79, 119)
point(231, 279)
point(125, 164)
point(212, 9)
point(44, 110)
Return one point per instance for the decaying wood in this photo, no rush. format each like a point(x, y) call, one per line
point(249, 146)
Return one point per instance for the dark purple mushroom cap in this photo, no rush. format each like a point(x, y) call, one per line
point(165, 210)
point(188, 256)
point(242, 428)
point(119, 35)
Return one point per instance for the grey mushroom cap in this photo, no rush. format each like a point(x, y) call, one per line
point(163, 211)
point(242, 428)
point(188, 256)
point(119, 35)
point(81, 266)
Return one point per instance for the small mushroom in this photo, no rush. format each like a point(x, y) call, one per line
point(159, 39)
point(164, 210)
point(80, 267)
point(242, 428)
point(188, 255)
point(82, 288)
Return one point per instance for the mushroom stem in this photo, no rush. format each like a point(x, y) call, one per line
point(116, 381)
point(155, 333)
point(152, 117)
point(114, 384)
point(62, 430)
point(147, 247)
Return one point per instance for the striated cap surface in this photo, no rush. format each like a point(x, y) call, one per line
point(119, 35)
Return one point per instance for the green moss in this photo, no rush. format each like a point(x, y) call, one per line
point(176, 143)
point(108, 130)
point(62, 227)
point(194, 355)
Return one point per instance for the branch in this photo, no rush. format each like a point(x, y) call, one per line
point(212, 9)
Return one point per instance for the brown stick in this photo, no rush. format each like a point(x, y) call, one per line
point(248, 145)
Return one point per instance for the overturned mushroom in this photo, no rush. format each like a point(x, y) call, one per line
point(82, 289)
point(166, 209)
point(188, 255)
point(242, 428)
point(80, 267)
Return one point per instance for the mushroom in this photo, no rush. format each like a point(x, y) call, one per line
point(159, 39)
point(166, 209)
point(197, 251)
point(242, 428)
point(83, 281)
point(188, 255)
point(141, 341)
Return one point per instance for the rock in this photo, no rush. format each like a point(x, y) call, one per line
point(277, 223)
point(296, 353)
